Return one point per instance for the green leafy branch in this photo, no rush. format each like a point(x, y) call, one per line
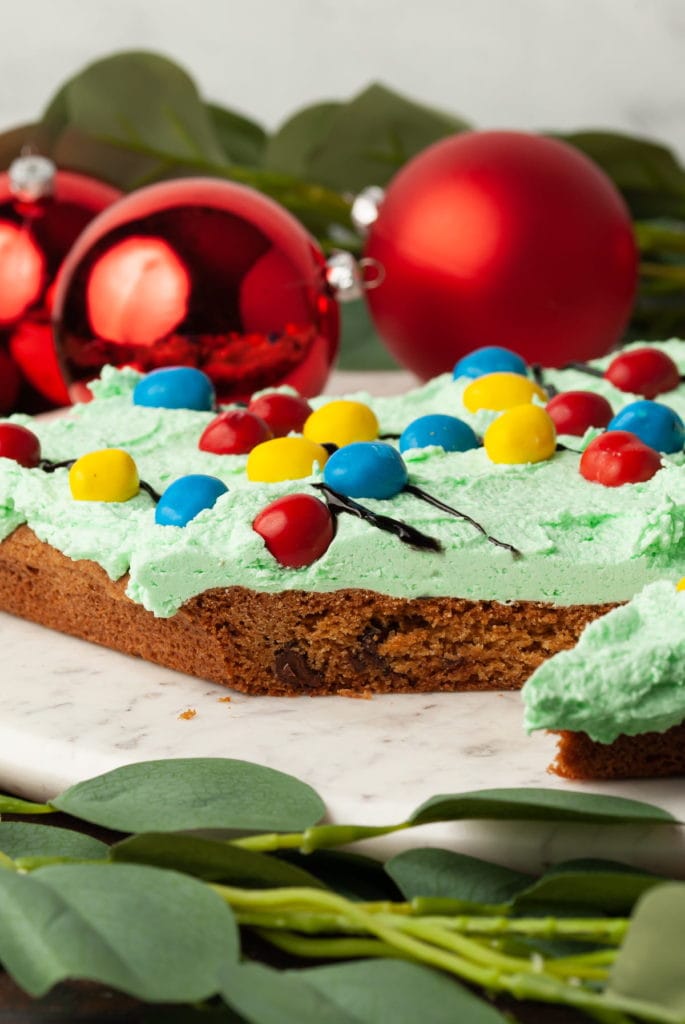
point(400, 940)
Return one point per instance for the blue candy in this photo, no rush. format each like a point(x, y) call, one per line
point(655, 424)
point(366, 469)
point(187, 497)
point(491, 359)
point(175, 387)
point(446, 432)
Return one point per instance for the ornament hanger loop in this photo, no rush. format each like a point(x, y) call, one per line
point(372, 273)
point(349, 277)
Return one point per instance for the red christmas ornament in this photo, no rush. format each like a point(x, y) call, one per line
point(501, 238)
point(42, 212)
point(199, 272)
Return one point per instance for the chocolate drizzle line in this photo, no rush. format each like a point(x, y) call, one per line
point(425, 496)
point(591, 371)
point(338, 503)
point(49, 467)
point(539, 378)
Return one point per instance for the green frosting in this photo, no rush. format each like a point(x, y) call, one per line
point(629, 663)
point(581, 542)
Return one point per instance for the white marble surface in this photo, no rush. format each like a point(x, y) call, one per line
point(70, 710)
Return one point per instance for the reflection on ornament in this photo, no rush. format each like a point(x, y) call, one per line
point(137, 292)
point(42, 212)
point(22, 270)
point(501, 238)
point(202, 273)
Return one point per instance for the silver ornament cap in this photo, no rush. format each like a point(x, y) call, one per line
point(344, 276)
point(32, 178)
point(365, 208)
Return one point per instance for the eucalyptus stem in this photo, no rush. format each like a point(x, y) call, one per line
point(465, 958)
point(13, 805)
point(318, 837)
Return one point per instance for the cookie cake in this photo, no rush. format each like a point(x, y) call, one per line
point(376, 548)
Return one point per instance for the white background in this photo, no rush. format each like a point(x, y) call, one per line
point(559, 64)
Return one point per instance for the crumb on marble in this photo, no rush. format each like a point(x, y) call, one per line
point(223, 700)
point(188, 714)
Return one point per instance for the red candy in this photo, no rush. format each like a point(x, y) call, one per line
point(19, 444)
point(284, 413)
point(574, 412)
point(618, 457)
point(297, 529)
point(643, 371)
point(235, 432)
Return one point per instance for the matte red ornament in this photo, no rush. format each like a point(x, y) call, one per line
point(199, 272)
point(42, 212)
point(501, 238)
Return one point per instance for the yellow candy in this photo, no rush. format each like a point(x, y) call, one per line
point(341, 422)
point(680, 585)
point(523, 434)
point(284, 458)
point(500, 391)
point(107, 475)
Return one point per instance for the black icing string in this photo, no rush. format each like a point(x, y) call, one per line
point(418, 492)
point(338, 503)
point(539, 378)
point(591, 371)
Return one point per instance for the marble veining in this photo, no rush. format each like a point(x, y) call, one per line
point(70, 710)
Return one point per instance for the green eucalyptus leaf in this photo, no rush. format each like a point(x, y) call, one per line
point(194, 793)
point(647, 173)
point(24, 839)
point(263, 995)
point(156, 935)
point(350, 874)
point(296, 143)
point(212, 860)
point(360, 346)
point(532, 804)
point(444, 874)
point(399, 992)
point(373, 135)
point(599, 886)
point(242, 140)
point(76, 150)
point(142, 103)
point(649, 966)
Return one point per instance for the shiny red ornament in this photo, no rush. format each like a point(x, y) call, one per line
point(9, 383)
point(205, 273)
point(42, 212)
point(501, 238)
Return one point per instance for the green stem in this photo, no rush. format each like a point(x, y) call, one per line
point(319, 837)
point(13, 805)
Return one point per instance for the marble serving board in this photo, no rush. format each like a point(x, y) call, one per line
point(71, 710)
